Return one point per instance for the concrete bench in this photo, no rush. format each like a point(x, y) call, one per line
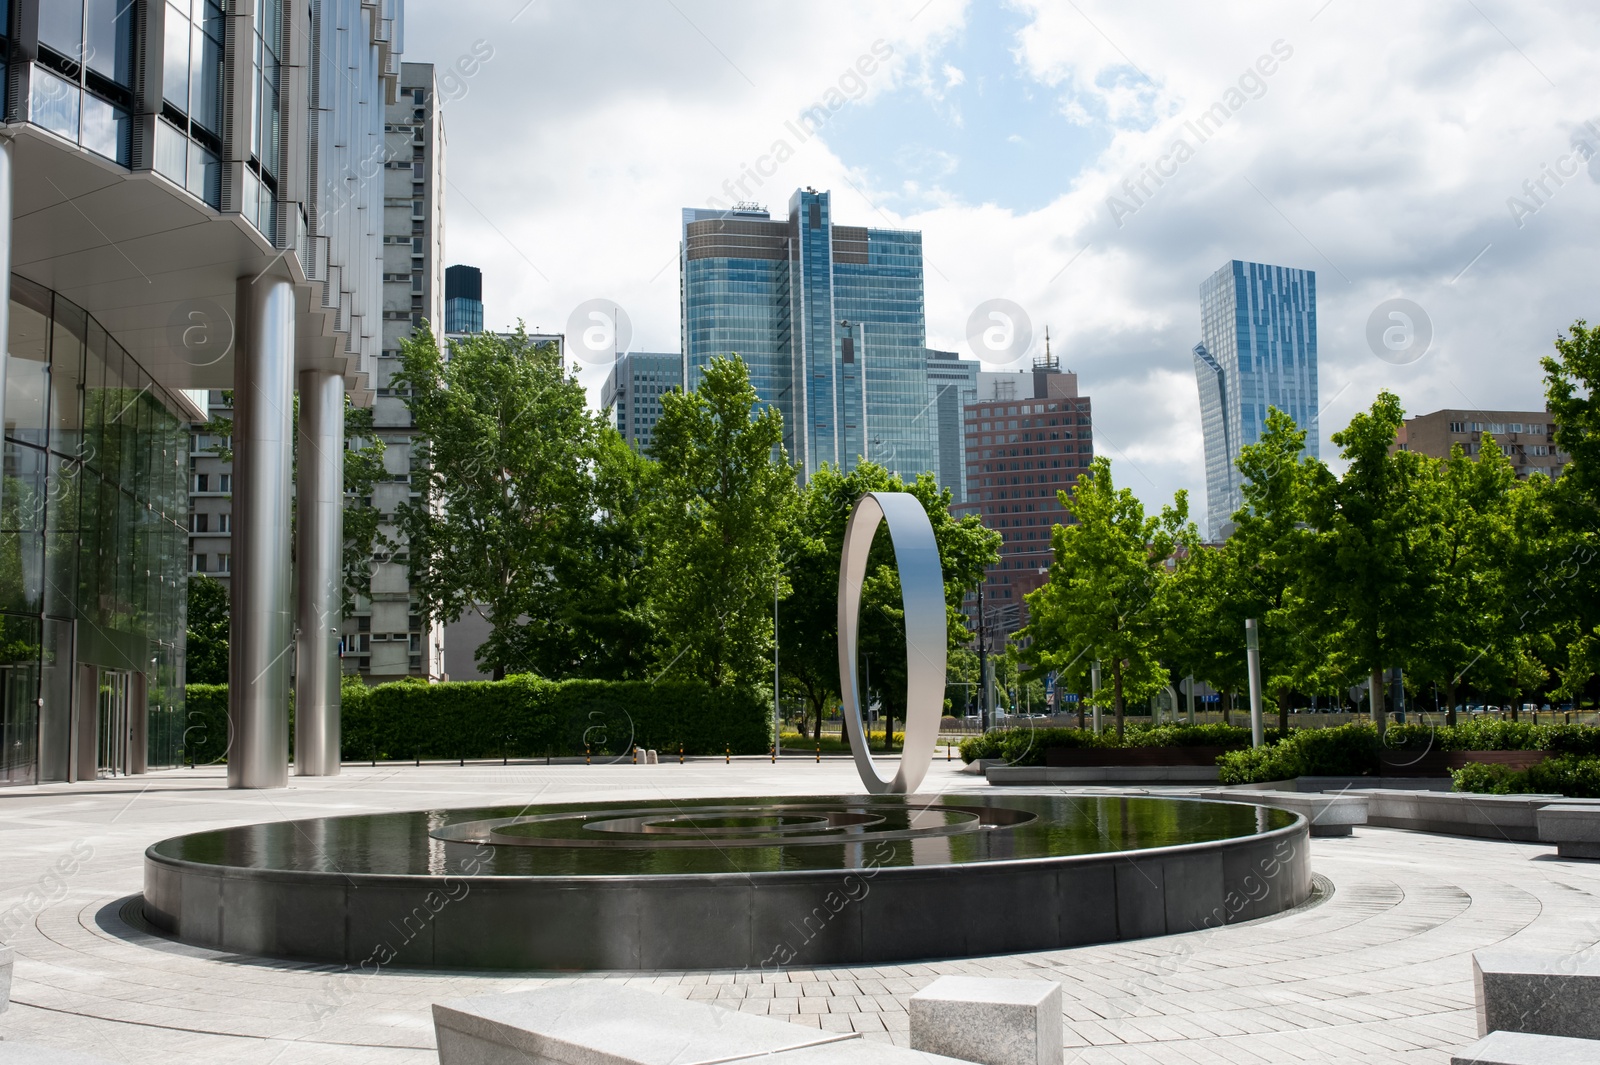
point(1521, 1048)
point(1542, 992)
point(1573, 827)
point(1461, 813)
point(1330, 815)
point(595, 1022)
point(988, 1020)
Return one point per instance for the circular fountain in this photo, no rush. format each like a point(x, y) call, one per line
point(743, 883)
point(720, 883)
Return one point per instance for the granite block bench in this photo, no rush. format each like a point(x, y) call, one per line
point(1332, 814)
point(1573, 827)
point(1502, 817)
point(595, 1022)
point(1539, 992)
point(1523, 1048)
point(989, 1020)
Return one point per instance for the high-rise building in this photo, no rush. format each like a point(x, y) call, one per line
point(1258, 349)
point(632, 393)
point(1527, 438)
point(238, 175)
point(829, 320)
point(952, 385)
point(387, 635)
point(1029, 436)
point(463, 299)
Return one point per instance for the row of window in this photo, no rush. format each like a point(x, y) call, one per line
point(209, 523)
point(1531, 428)
point(204, 563)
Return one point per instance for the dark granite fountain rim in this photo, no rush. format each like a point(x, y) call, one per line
point(217, 870)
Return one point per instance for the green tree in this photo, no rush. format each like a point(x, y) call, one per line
point(1098, 604)
point(1566, 587)
point(206, 654)
point(724, 494)
point(503, 461)
point(1367, 566)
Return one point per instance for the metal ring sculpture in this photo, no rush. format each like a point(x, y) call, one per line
point(916, 557)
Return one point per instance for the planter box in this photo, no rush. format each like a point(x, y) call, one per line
point(1077, 757)
point(1435, 763)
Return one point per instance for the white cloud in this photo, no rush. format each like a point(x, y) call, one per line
point(1380, 154)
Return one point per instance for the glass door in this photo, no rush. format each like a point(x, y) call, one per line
point(115, 722)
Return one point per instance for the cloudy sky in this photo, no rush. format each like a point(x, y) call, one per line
point(1436, 153)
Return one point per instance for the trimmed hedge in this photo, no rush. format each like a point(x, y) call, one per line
point(529, 717)
point(519, 717)
point(1027, 746)
point(1573, 775)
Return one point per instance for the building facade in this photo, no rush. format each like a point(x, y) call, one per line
point(952, 386)
point(828, 318)
point(1029, 436)
point(385, 635)
point(191, 203)
point(1257, 350)
point(463, 299)
point(632, 393)
point(1526, 437)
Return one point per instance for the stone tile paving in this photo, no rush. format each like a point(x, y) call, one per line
point(1378, 971)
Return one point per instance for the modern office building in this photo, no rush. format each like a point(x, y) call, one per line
point(191, 203)
point(829, 319)
point(463, 299)
point(632, 393)
point(1526, 437)
point(1029, 436)
point(1257, 350)
point(952, 386)
point(386, 635)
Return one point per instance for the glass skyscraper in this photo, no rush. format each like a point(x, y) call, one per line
point(1258, 349)
point(829, 320)
point(463, 300)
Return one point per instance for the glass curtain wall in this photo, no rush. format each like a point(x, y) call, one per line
point(93, 546)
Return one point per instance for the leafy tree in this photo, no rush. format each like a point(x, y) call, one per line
point(1568, 586)
point(206, 657)
point(809, 617)
point(503, 459)
point(724, 495)
point(1098, 604)
point(1367, 563)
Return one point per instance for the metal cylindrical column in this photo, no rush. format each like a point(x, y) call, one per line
point(319, 541)
point(1252, 653)
point(259, 637)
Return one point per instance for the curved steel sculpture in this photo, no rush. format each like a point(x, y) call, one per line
point(916, 557)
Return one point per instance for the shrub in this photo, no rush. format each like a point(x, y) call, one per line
point(1486, 778)
point(205, 730)
point(1573, 775)
point(1027, 746)
point(1260, 765)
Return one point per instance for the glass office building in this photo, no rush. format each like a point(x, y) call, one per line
point(93, 508)
point(828, 318)
point(952, 386)
point(194, 200)
point(463, 299)
point(1258, 350)
point(632, 393)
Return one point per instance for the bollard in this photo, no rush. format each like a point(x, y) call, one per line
point(774, 755)
point(636, 756)
point(680, 754)
point(727, 754)
point(586, 754)
point(947, 752)
point(819, 754)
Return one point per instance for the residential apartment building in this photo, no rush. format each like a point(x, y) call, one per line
point(229, 150)
point(952, 386)
point(828, 318)
point(632, 393)
point(1526, 437)
point(385, 636)
point(1257, 350)
point(1028, 437)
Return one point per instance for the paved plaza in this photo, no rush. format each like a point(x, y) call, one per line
point(1378, 968)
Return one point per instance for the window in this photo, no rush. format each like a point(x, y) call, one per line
point(189, 137)
point(224, 482)
point(364, 623)
point(199, 523)
point(224, 523)
point(222, 563)
point(202, 482)
point(199, 563)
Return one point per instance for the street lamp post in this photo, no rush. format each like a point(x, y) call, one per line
point(1252, 646)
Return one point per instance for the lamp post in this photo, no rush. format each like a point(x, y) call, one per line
point(777, 719)
point(1094, 691)
point(1252, 646)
